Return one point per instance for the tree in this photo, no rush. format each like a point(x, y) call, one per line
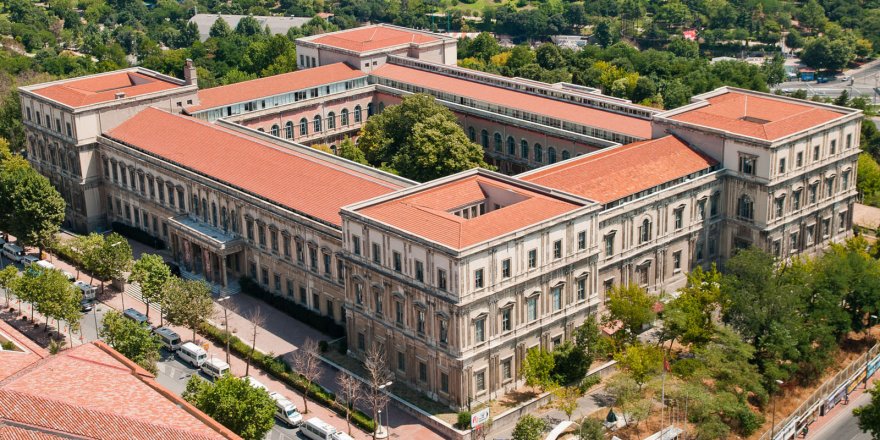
point(529, 427)
point(187, 302)
point(131, 339)
point(484, 46)
point(642, 361)
point(257, 321)
point(307, 363)
point(249, 27)
point(350, 151)
point(589, 339)
point(350, 393)
point(869, 415)
point(32, 208)
point(591, 429)
point(7, 279)
point(377, 376)
point(112, 258)
point(632, 306)
point(812, 15)
point(420, 139)
point(538, 367)
point(606, 33)
point(220, 29)
point(247, 411)
point(567, 399)
point(59, 299)
point(151, 272)
point(688, 318)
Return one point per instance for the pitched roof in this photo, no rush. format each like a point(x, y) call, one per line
point(97, 89)
point(375, 37)
point(760, 116)
point(429, 213)
point(93, 391)
point(588, 116)
point(274, 85)
point(298, 181)
point(26, 352)
point(616, 172)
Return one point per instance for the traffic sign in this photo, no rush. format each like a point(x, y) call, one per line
point(480, 417)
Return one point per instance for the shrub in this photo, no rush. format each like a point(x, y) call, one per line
point(317, 321)
point(279, 369)
point(589, 382)
point(464, 420)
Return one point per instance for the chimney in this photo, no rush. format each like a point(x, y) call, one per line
point(120, 95)
point(189, 73)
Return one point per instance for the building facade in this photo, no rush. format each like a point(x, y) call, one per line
point(456, 279)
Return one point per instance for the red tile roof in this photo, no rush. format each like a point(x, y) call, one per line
point(298, 181)
point(369, 38)
point(753, 115)
point(103, 88)
point(427, 213)
point(588, 116)
point(93, 391)
point(617, 172)
point(27, 352)
point(274, 85)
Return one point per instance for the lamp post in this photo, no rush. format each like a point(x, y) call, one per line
point(388, 397)
point(773, 423)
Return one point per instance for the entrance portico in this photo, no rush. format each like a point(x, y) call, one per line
point(204, 250)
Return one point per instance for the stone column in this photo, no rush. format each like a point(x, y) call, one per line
point(223, 270)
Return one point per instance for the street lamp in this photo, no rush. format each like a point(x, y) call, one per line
point(388, 397)
point(773, 423)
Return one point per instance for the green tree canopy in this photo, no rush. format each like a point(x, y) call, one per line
point(529, 427)
point(32, 208)
point(642, 361)
point(151, 272)
point(538, 367)
point(247, 411)
point(131, 339)
point(633, 306)
point(689, 318)
point(187, 302)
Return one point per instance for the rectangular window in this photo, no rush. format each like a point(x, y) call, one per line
point(398, 264)
point(331, 312)
point(676, 261)
point(303, 298)
point(441, 279)
point(273, 239)
point(848, 141)
point(420, 271)
point(444, 382)
point(377, 302)
point(444, 331)
point(506, 325)
point(480, 330)
point(556, 298)
point(300, 254)
point(557, 249)
point(532, 309)
point(377, 253)
point(782, 166)
point(264, 274)
point(833, 149)
point(815, 153)
point(678, 217)
point(845, 183)
point(313, 258)
point(814, 188)
point(69, 129)
point(506, 370)
point(841, 221)
point(582, 240)
point(780, 206)
point(505, 268)
point(829, 187)
point(289, 284)
point(480, 381)
point(356, 245)
point(286, 244)
point(420, 321)
point(398, 312)
point(796, 200)
point(261, 235)
point(799, 159)
point(277, 279)
point(747, 164)
point(362, 342)
point(533, 258)
point(328, 264)
point(423, 372)
point(609, 244)
point(478, 279)
point(794, 242)
point(581, 289)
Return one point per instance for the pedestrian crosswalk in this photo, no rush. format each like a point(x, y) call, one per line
point(134, 290)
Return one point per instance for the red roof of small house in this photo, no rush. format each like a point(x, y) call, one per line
point(430, 214)
point(274, 85)
point(305, 183)
point(98, 89)
point(588, 116)
point(616, 172)
point(367, 38)
point(759, 116)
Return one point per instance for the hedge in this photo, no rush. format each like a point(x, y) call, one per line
point(137, 235)
point(317, 321)
point(65, 253)
point(279, 369)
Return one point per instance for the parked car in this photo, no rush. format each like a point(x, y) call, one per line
point(86, 305)
point(70, 277)
point(286, 411)
point(27, 260)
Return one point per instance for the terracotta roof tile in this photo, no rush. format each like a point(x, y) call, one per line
point(617, 172)
point(12, 361)
point(304, 183)
point(16, 433)
point(427, 213)
point(103, 88)
point(763, 117)
point(274, 85)
point(588, 116)
point(369, 38)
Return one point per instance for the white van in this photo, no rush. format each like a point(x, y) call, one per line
point(317, 429)
point(192, 354)
point(215, 368)
point(169, 338)
point(88, 291)
point(339, 435)
point(255, 383)
point(286, 411)
point(136, 316)
point(45, 265)
point(13, 252)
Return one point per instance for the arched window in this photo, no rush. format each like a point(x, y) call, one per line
point(331, 121)
point(195, 205)
point(317, 123)
point(303, 127)
point(511, 146)
point(645, 231)
point(357, 114)
point(274, 130)
point(472, 134)
point(539, 153)
point(566, 155)
point(484, 139)
point(343, 117)
point(288, 130)
point(214, 214)
point(745, 208)
point(205, 210)
point(524, 149)
point(497, 139)
point(224, 219)
point(551, 155)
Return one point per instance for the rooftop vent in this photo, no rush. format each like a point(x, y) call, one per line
point(120, 95)
point(754, 120)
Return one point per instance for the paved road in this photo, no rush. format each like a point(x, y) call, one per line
point(864, 80)
point(844, 425)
